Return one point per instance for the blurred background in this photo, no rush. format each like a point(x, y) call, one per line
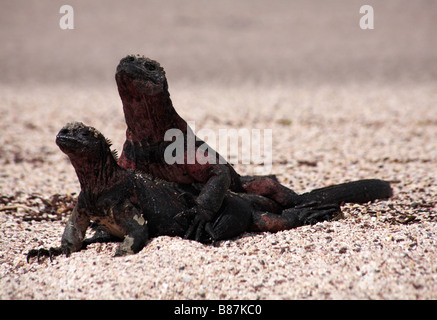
point(224, 42)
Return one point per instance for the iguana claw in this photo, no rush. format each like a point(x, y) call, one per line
point(52, 252)
point(199, 218)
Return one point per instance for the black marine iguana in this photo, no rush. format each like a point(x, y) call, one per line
point(133, 206)
point(149, 113)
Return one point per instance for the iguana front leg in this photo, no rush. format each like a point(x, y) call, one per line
point(74, 231)
point(208, 202)
point(72, 237)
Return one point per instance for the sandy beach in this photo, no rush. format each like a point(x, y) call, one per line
point(343, 104)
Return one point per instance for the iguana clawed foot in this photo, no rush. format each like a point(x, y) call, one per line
point(198, 219)
point(52, 252)
point(313, 212)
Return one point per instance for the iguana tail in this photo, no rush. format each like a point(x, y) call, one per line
point(360, 191)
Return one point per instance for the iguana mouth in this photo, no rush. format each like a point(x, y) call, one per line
point(68, 143)
point(71, 140)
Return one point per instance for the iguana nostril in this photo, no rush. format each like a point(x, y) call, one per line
point(150, 66)
point(129, 59)
point(64, 132)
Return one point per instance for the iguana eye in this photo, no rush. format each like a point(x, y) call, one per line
point(149, 66)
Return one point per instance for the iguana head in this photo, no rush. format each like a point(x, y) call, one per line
point(89, 152)
point(137, 74)
point(76, 138)
point(80, 141)
point(147, 106)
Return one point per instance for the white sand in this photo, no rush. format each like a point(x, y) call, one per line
point(369, 254)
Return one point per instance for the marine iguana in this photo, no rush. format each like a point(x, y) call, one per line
point(149, 113)
point(133, 206)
